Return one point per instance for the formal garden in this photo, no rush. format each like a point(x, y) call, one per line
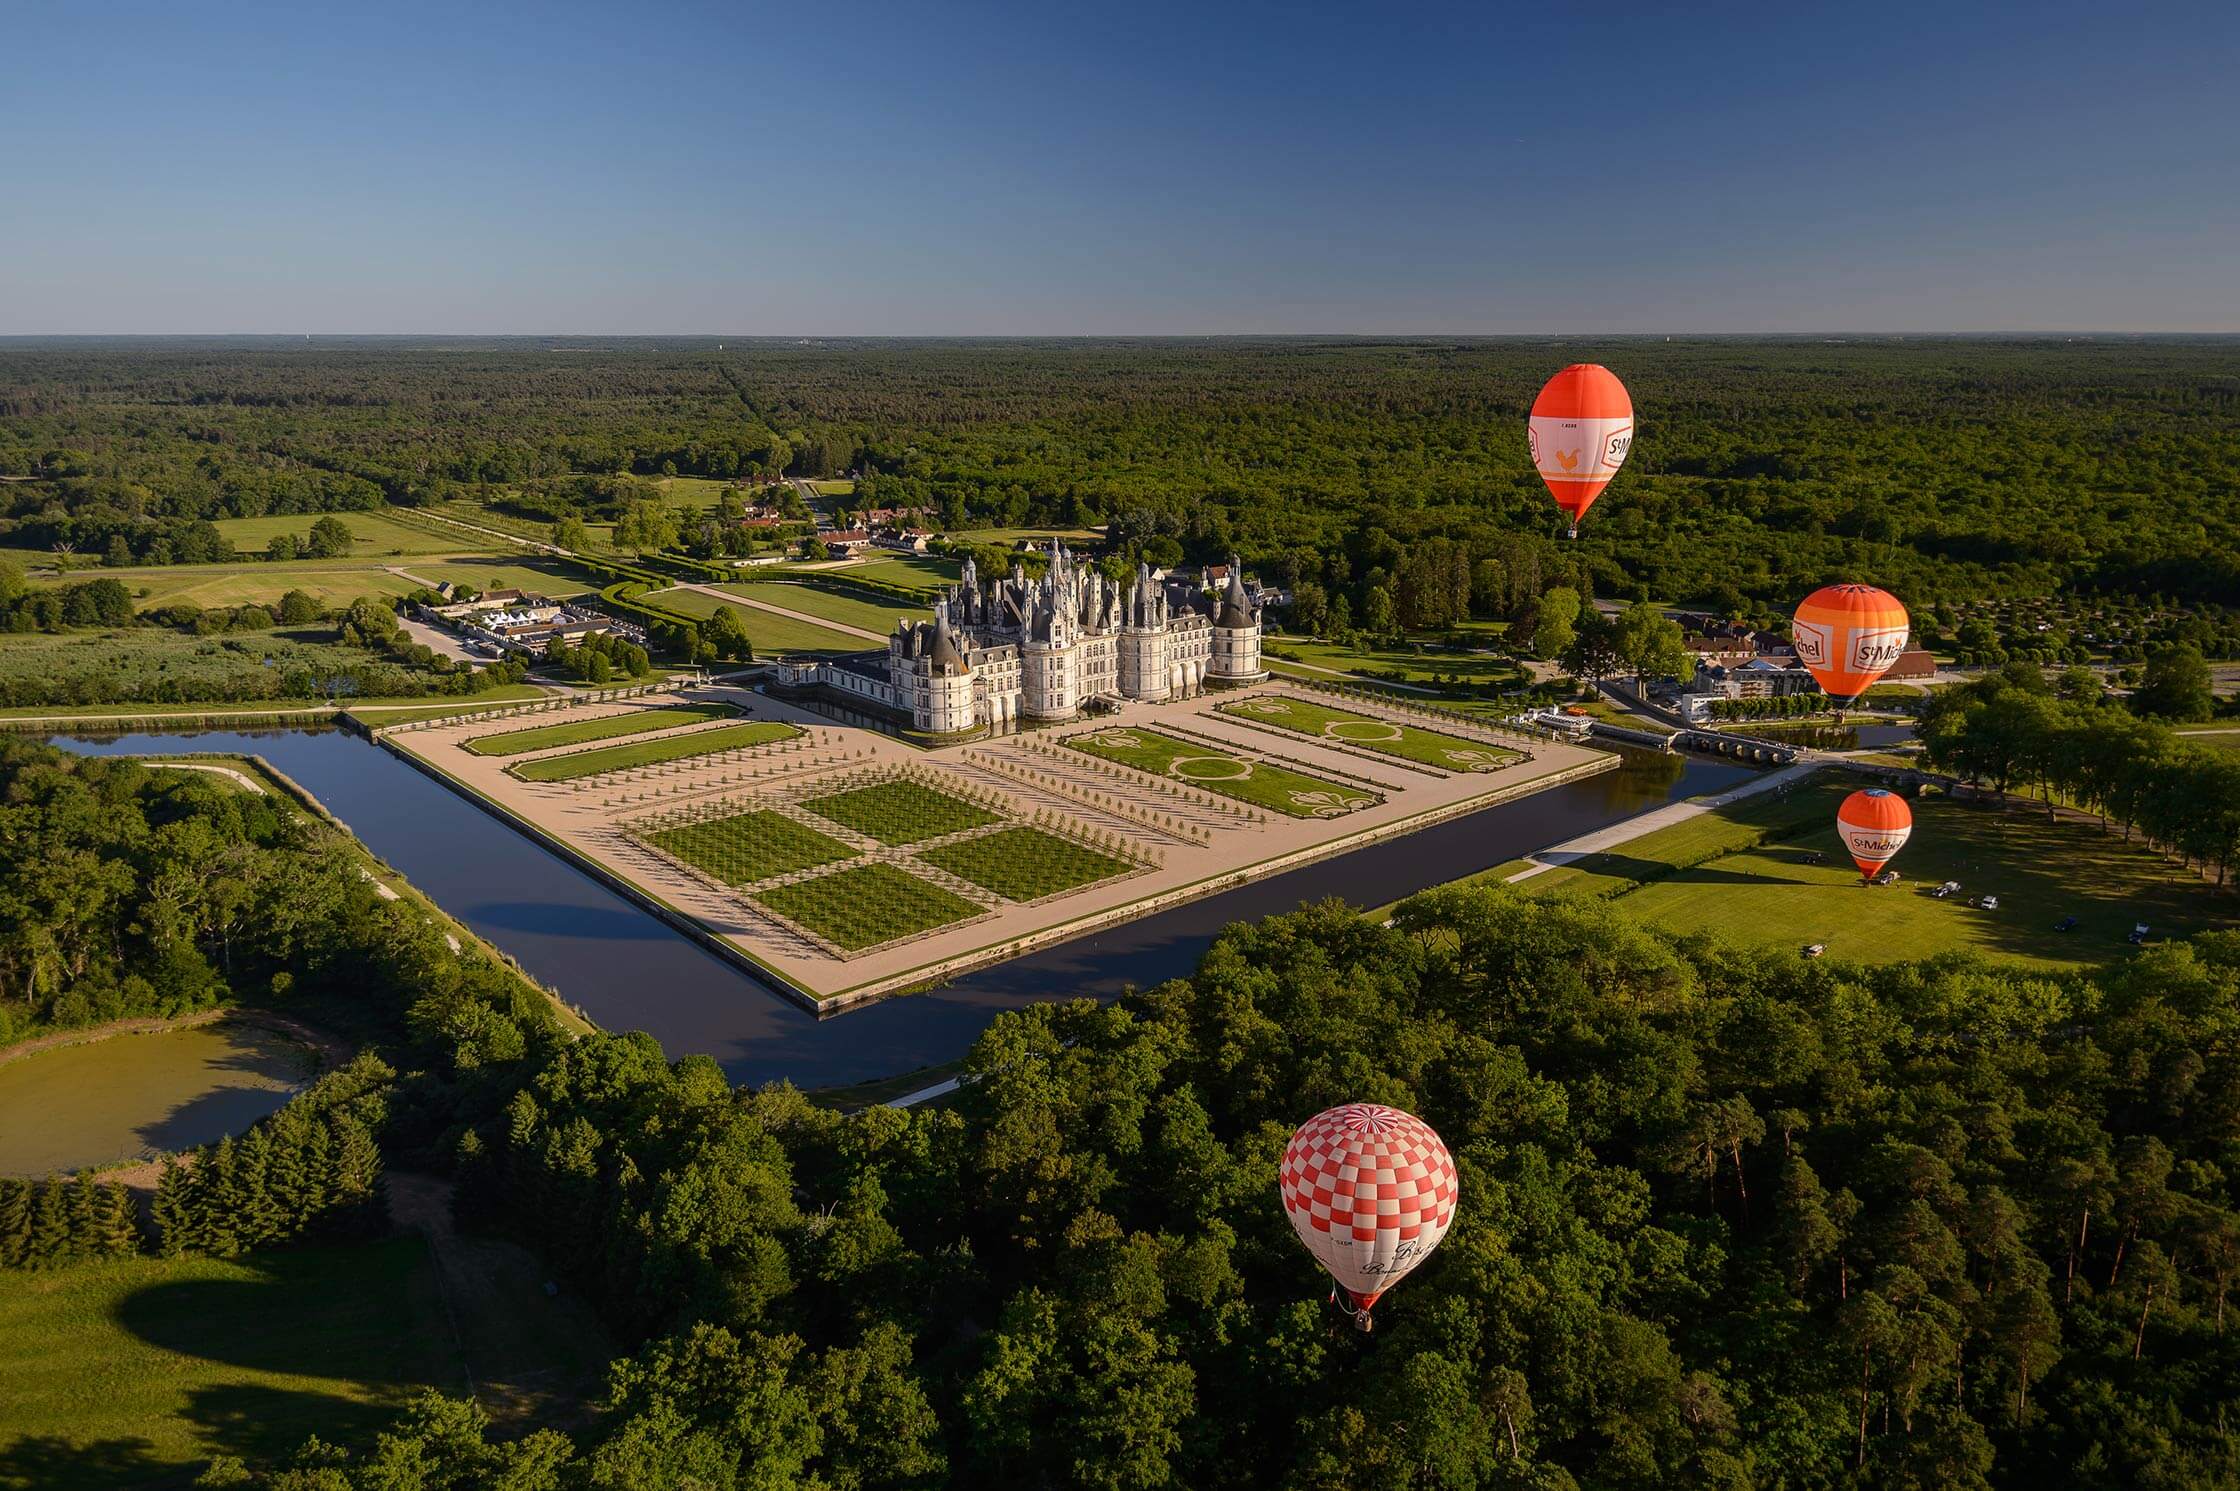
point(1261, 783)
point(1026, 864)
point(603, 727)
point(668, 748)
point(740, 848)
point(1369, 733)
point(867, 906)
point(901, 811)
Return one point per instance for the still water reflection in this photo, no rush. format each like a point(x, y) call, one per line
point(630, 972)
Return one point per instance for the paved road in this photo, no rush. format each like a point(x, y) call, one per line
point(1572, 851)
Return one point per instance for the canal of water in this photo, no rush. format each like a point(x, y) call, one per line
point(628, 971)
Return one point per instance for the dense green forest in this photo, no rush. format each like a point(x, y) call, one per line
point(1947, 470)
point(1727, 1218)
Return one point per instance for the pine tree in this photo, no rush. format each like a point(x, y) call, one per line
point(15, 1221)
point(120, 1226)
point(86, 1207)
point(256, 1220)
point(50, 1225)
point(173, 1211)
point(217, 1200)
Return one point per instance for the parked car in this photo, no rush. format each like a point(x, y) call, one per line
point(1988, 903)
point(1815, 949)
point(2138, 933)
point(1949, 888)
point(2066, 924)
point(1887, 877)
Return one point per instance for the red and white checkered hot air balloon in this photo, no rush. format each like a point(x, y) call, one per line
point(1370, 1190)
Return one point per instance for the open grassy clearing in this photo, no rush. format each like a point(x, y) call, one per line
point(927, 572)
point(1025, 864)
point(538, 577)
point(1038, 535)
point(1369, 733)
point(771, 635)
point(372, 534)
point(745, 847)
point(606, 727)
point(683, 747)
point(834, 488)
point(1745, 872)
point(1406, 662)
point(1262, 783)
point(852, 610)
point(867, 905)
point(130, 1372)
point(900, 812)
point(331, 582)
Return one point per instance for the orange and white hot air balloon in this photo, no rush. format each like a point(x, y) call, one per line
point(1581, 429)
point(1370, 1190)
point(1848, 636)
point(1875, 825)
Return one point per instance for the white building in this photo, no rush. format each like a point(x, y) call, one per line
point(1042, 649)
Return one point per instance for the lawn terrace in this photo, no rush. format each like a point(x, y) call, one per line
point(665, 749)
point(1236, 774)
point(866, 906)
point(583, 732)
point(1026, 864)
point(1364, 732)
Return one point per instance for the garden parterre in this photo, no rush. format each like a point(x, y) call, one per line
point(656, 752)
point(1025, 864)
point(1369, 733)
point(1232, 774)
point(866, 906)
point(605, 727)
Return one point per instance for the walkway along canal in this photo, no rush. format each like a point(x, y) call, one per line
point(628, 971)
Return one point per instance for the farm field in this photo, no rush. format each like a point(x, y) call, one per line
point(653, 752)
point(770, 634)
point(1745, 873)
point(867, 905)
point(372, 534)
point(579, 732)
point(741, 848)
point(128, 1373)
point(925, 572)
point(1370, 733)
point(1262, 783)
point(1025, 864)
point(850, 610)
point(900, 812)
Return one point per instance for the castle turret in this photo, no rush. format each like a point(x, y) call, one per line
point(1145, 668)
point(1236, 634)
point(943, 702)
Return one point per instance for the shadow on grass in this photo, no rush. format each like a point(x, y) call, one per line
point(37, 1463)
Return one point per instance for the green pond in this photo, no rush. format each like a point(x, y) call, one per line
point(131, 1097)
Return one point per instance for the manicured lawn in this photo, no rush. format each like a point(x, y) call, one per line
point(750, 846)
point(1745, 873)
point(927, 572)
point(605, 727)
point(867, 905)
point(653, 752)
point(1073, 536)
point(330, 582)
point(1025, 864)
point(372, 534)
point(900, 812)
point(133, 1372)
point(1369, 733)
point(853, 610)
point(1405, 662)
point(771, 635)
point(1242, 777)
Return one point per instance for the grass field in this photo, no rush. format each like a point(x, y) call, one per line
point(771, 635)
point(867, 905)
point(331, 582)
point(685, 747)
point(1025, 864)
point(851, 610)
point(927, 572)
point(581, 732)
point(1261, 783)
point(1405, 662)
point(129, 1373)
point(372, 534)
point(1745, 873)
point(1039, 535)
point(538, 577)
point(1369, 733)
point(750, 846)
point(900, 812)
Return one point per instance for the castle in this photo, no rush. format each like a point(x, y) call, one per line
point(1044, 648)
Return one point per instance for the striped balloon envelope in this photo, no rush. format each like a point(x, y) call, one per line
point(1848, 636)
point(1875, 825)
point(1581, 431)
point(1371, 1191)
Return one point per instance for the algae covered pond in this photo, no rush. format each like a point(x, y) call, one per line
point(130, 1097)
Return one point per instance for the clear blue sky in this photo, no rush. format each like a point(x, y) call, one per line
point(1066, 167)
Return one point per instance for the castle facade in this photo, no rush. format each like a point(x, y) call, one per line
point(1045, 648)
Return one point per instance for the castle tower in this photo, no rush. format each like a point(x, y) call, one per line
point(1236, 635)
point(1144, 664)
point(1050, 652)
point(945, 706)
